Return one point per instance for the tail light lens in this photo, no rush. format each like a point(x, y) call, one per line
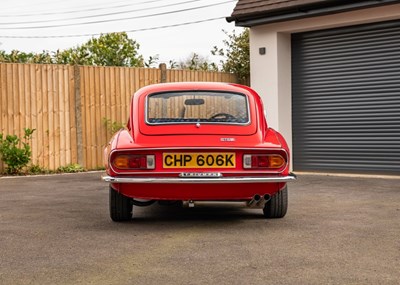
point(263, 161)
point(129, 161)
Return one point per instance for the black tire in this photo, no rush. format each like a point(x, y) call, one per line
point(277, 206)
point(120, 206)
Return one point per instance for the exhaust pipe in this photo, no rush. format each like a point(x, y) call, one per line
point(254, 202)
point(267, 197)
point(258, 201)
point(188, 204)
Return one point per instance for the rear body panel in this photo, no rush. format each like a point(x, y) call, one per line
point(205, 192)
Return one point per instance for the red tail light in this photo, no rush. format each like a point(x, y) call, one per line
point(129, 161)
point(263, 161)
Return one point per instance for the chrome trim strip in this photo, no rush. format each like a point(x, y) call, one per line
point(198, 180)
point(193, 123)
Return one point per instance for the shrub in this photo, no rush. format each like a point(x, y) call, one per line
point(35, 169)
point(70, 168)
point(15, 153)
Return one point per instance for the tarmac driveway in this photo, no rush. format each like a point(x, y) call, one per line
point(338, 230)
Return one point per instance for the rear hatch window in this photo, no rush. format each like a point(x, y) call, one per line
point(197, 107)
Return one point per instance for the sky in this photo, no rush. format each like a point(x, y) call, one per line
point(171, 29)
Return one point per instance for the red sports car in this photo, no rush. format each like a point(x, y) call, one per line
point(194, 142)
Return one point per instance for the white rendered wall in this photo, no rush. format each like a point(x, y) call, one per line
point(271, 73)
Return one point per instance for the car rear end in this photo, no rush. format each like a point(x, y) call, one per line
point(191, 142)
point(199, 174)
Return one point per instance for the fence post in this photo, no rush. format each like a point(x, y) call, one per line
point(78, 115)
point(163, 69)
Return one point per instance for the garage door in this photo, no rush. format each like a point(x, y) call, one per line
point(346, 99)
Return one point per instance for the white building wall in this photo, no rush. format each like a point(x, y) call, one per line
point(271, 73)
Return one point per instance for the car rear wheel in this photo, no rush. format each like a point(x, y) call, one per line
point(277, 206)
point(120, 206)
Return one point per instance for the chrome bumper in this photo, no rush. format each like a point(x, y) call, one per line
point(199, 180)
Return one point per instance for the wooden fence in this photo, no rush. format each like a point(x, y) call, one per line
point(69, 106)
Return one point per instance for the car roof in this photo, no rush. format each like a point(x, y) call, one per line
point(182, 86)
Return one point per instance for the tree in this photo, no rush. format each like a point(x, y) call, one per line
point(16, 56)
point(112, 49)
point(195, 62)
point(236, 53)
point(152, 61)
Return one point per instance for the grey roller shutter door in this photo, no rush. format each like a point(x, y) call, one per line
point(346, 99)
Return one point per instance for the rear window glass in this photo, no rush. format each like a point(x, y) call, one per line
point(194, 106)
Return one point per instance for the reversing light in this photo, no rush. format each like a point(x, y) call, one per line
point(137, 161)
point(264, 161)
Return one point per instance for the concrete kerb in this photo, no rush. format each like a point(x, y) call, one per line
point(352, 175)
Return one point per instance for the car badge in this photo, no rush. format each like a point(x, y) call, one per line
point(228, 139)
point(198, 125)
point(200, 174)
